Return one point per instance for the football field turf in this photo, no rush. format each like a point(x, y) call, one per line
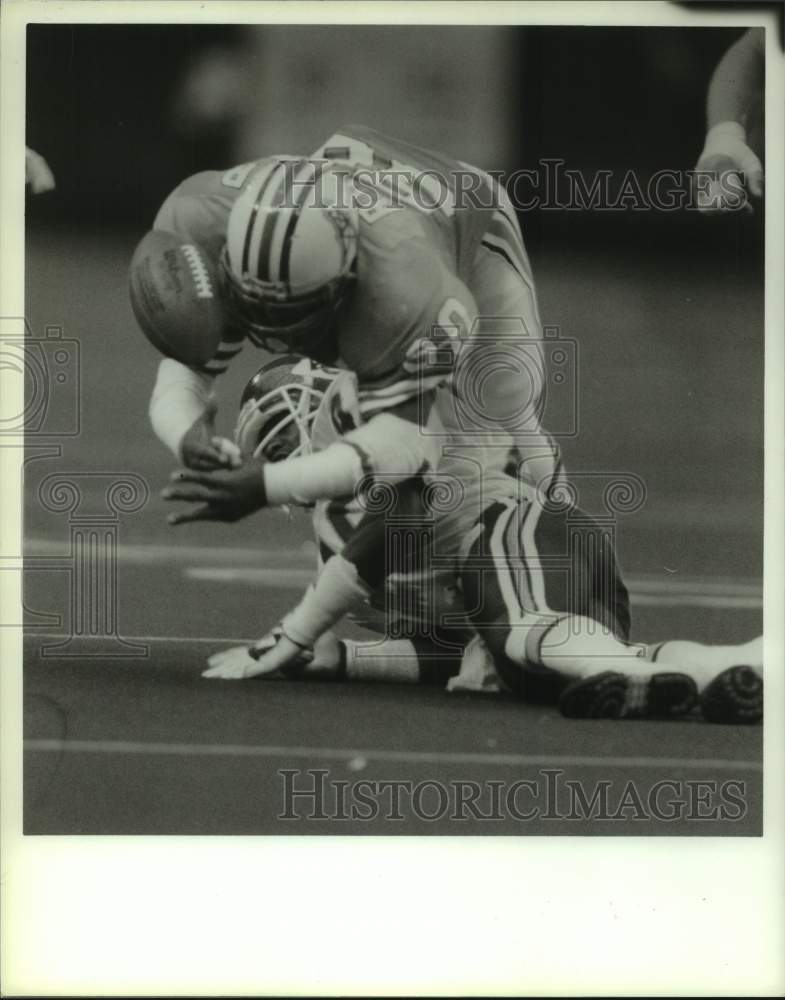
point(669, 391)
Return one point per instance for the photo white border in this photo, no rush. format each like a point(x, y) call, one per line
point(339, 916)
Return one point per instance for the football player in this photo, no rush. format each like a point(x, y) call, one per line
point(378, 253)
point(517, 565)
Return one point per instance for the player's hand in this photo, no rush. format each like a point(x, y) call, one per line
point(270, 655)
point(38, 176)
point(220, 494)
point(202, 449)
point(725, 173)
point(235, 664)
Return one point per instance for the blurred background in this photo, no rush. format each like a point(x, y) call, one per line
point(666, 308)
point(125, 112)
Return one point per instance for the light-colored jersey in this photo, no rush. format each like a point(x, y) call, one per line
point(457, 198)
point(417, 242)
point(413, 304)
point(415, 251)
point(442, 504)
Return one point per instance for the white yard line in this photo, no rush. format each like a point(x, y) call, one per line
point(149, 553)
point(31, 634)
point(660, 592)
point(676, 584)
point(293, 569)
point(384, 756)
point(267, 576)
point(682, 600)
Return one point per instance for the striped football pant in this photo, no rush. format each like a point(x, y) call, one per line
point(530, 565)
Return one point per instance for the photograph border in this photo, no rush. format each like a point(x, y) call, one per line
point(340, 916)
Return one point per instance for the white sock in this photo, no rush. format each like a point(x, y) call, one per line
point(390, 660)
point(575, 646)
point(703, 662)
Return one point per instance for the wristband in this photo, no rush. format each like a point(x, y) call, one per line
point(723, 137)
point(294, 642)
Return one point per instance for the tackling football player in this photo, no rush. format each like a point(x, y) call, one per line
point(372, 251)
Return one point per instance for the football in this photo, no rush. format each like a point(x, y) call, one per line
point(176, 298)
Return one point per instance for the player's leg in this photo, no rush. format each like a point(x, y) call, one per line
point(421, 659)
point(707, 661)
point(536, 623)
point(729, 678)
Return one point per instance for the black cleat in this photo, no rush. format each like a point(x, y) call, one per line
point(618, 696)
point(735, 697)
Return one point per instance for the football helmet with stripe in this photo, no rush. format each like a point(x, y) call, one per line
point(290, 254)
point(278, 408)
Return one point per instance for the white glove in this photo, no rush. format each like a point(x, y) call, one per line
point(727, 155)
point(235, 664)
point(276, 654)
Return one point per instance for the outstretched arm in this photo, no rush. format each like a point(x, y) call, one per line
point(389, 445)
point(737, 82)
point(735, 93)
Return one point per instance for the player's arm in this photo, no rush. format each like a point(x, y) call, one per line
point(420, 660)
point(38, 175)
point(305, 644)
point(391, 445)
point(735, 91)
point(182, 414)
point(304, 641)
point(498, 387)
point(182, 407)
point(737, 81)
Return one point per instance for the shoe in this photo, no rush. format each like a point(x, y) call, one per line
point(611, 695)
point(735, 696)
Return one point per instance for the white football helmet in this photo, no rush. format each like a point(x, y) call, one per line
point(279, 406)
point(290, 253)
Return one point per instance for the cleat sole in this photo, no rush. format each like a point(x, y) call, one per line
point(612, 695)
point(734, 697)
